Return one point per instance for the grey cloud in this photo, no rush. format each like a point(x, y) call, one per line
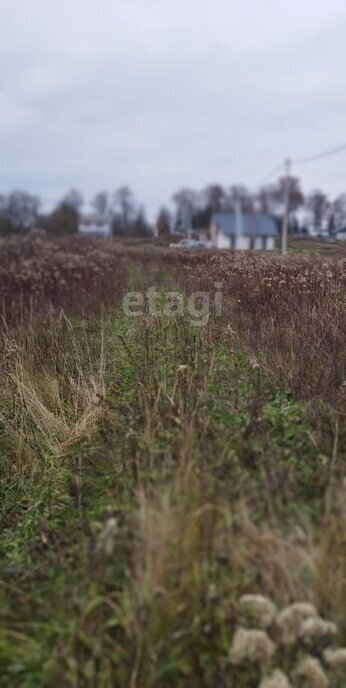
point(162, 94)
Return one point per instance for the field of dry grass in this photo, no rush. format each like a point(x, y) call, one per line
point(323, 246)
point(69, 273)
point(154, 472)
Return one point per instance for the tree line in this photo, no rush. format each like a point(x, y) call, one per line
point(20, 211)
point(195, 208)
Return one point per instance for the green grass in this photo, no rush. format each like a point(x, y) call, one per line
point(207, 468)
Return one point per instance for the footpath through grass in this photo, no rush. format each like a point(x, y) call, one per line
point(150, 475)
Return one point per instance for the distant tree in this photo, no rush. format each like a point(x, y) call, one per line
point(6, 226)
point(21, 209)
point(101, 203)
point(266, 200)
point(3, 202)
point(214, 197)
point(118, 228)
point(331, 224)
point(319, 205)
point(141, 227)
point(294, 227)
point(186, 197)
point(163, 223)
point(239, 193)
point(124, 210)
point(339, 211)
point(185, 201)
point(74, 199)
point(211, 200)
point(202, 217)
point(63, 220)
point(296, 197)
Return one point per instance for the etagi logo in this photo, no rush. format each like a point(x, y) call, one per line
point(173, 304)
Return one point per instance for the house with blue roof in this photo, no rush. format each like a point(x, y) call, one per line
point(339, 234)
point(243, 231)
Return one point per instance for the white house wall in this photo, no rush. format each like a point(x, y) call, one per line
point(93, 229)
point(222, 241)
point(242, 243)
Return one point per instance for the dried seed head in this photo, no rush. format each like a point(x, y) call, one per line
point(335, 657)
point(290, 619)
point(251, 645)
point(312, 672)
point(277, 679)
point(261, 609)
point(317, 632)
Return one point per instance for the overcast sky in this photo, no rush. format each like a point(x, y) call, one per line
point(160, 94)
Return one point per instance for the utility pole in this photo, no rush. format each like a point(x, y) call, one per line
point(287, 206)
point(238, 218)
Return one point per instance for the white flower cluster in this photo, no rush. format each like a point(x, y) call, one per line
point(288, 631)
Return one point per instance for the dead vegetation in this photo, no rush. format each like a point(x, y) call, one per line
point(289, 312)
point(75, 274)
point(154, 473)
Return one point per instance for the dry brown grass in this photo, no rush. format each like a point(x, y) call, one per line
point(290, 312)
point(48, 408)
point(330, 582)
point(180, 492)
point(76, 274)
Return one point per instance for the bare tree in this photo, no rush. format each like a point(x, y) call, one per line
point(296, 197)
point(214, 197)
point(266, 200)
point(21, 209)
point(163, 223)
point(74, 199)
point(141, 227)
point(239, 192)
point(185, 201)
point(319, 205)
point(124, 210)
point(101, 203)
point(63, 220)
point(339, 211)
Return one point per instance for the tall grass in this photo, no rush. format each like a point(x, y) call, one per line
point(153, 472)
point(289, 311)
point(75, 274)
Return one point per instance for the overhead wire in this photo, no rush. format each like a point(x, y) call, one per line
point(319, 156)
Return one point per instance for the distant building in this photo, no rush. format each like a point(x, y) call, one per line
point(95, 225)
point(243, 231)
point(339, 234)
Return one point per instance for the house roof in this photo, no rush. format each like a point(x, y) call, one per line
point(342, 230)
point(253, 224)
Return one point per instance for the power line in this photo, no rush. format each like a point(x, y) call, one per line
point(318, 156)
point(301, 161)
point(273, 173)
